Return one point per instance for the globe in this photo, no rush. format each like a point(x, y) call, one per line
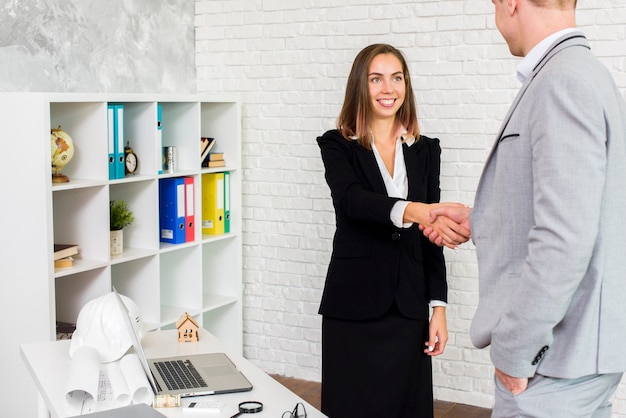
point(62, 149)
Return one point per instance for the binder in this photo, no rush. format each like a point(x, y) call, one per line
point(213, 203)
point(120, 173)
point(226, 202)
point(111, 139)
point(172, 210)
point(190, 224)
point(160, 136)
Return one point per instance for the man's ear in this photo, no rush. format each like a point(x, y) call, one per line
point(512, 6)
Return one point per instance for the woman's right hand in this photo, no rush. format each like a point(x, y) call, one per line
point(448, 224)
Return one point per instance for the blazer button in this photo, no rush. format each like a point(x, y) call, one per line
point(539, 355)
point(395, 236)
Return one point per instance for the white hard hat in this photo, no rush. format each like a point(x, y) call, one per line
point(100, 325)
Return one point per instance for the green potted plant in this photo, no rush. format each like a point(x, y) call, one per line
point(120, 216)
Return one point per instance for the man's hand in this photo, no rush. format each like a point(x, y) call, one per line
point(455, 218)
point(515, 385)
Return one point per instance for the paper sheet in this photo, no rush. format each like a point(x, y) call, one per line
point(94, 387)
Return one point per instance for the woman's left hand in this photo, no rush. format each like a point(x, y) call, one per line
point(437, 332)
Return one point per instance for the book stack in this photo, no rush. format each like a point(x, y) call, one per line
point(64, 255)
point(215, 159)
point(209, 157)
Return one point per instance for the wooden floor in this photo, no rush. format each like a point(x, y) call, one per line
point(311, 392)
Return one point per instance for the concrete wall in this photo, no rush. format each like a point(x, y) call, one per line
point(97, 46)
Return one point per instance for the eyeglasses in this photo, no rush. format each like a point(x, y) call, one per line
point(298, 412)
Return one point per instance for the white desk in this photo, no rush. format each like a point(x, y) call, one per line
point(49, 365)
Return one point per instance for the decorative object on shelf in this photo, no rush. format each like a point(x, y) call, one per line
point(62, 151)
point(131, 162)
point(120, 216)
point(169, 159)
point(187, 329)
point(206, 145)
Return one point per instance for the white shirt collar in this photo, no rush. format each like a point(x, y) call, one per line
point(525, 68)
point(396, 184)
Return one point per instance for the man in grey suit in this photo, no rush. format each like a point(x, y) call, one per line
point(548, 224)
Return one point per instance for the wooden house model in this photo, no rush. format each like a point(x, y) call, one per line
point(187, 328)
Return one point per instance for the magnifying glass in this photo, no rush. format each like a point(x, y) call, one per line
point(249, 407)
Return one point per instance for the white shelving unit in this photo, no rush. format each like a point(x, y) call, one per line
point(203, 277)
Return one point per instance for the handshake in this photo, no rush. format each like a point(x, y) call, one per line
point(448, 224)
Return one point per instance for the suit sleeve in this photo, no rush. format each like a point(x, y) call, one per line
point(434, 262)
point(347, 191)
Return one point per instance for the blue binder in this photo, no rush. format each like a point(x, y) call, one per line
point(120, 172)
point(172, 210)
point(111, 130)
point(160, 136)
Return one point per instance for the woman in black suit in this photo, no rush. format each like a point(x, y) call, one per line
point(377, 339)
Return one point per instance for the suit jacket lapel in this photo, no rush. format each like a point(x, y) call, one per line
point(414, 170)
point(370, 168)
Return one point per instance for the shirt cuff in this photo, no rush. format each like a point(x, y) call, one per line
point(434, 303)
point(397, 214)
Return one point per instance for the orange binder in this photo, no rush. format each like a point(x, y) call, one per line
point(190, 223)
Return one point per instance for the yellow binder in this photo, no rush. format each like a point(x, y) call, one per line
point(213, 203)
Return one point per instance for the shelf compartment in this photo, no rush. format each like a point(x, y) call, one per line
point(222, 121)
point(221, 268)
point(140, 132)
point(180, 283)
point(80, 216)
point(86, 123)
point(72, 292)
point(181, 129)
point(142, 198)
point(137, 279)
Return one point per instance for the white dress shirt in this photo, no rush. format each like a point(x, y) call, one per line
point(398, 186)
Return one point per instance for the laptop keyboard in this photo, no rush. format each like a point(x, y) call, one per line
point(180, 374)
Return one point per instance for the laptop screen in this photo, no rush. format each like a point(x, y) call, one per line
point(135, 341)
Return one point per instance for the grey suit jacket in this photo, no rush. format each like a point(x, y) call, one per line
point(548, 223)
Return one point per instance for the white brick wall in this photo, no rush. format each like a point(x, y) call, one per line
point(289, 59)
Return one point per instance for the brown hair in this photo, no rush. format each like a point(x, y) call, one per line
point(356, 112)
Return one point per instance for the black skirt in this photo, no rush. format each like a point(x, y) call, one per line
point(376, 368)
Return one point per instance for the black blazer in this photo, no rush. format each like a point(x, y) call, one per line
point(374, 263)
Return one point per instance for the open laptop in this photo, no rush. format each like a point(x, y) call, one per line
point(190, 375)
